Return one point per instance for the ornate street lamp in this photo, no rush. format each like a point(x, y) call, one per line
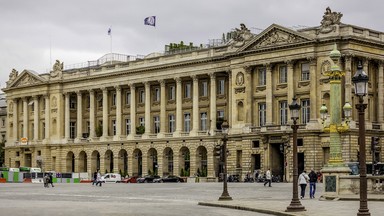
point(295, 205)
point(360, 79)
point(224, 130)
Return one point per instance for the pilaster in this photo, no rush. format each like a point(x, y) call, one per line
point(79, 122)
point(195, 107)
point(212, 104)
point(179, 111)
point(118, 113)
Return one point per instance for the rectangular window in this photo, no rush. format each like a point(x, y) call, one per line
point(305, 111)
point(72, 130)
point(156, 95)
point(283, 74)
point(156, 124)
point(283, 112)
point(171, 120)
point(72, 103)
point(204, 89)
point(43, 131)
point(203, 121)
point(88, 127)
point(187, 122)
point(220, 114)
point(305, 71)
point(128, 98)
point(114, 127)
point(141, 96)
point(114, 99)
point(142, 121)
point(187, 90)
point(262, 75)
point(128, 126)
point(262, 114)
point(88, 102)
point(220, 87)
point(171, 93)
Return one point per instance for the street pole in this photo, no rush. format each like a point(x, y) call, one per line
point(295, 204)
point(225, 195)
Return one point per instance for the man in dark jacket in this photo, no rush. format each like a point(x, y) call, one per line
point(312, 183)
point(94, 178)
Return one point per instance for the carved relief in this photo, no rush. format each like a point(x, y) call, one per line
point(329, 22)
point(325, 66)
point(277, 37)
point(239, 36)
point(27, 79)
point(10, 110)
point(12, 76)
point(239, 79)
point(54, 102)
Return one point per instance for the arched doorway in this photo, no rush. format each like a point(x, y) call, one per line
point(152, 161)
point(82, 166)
point(95, 161)
point(184, 161)
point(108, 161)
point(167, 161)
point(201, 161)
point(137, 163)
point(123, 162)
point(70, 162)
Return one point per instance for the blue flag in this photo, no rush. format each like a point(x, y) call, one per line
point(109, 31)
point(150, 21)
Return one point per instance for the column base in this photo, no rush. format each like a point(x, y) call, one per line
point(116, 138)
point(333, 184)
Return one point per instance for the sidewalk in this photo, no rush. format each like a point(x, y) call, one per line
point(275, 200)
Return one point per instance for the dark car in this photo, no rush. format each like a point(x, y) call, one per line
point(132, 179)
point(147, 178)
point(169, 178)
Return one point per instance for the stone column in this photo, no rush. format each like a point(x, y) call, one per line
point(79, 117)
point(291, 84)
point(195, 106)
point(160, 164)
point(269, 95)
point(66, 116)
point(212, 104)
point(15, 120)
point(133, 111)
point(118, 113)
point(105, 113)
point(116, 163)
point(313, 93)
point(380, 95)
point(47, 117)
point(211, 165)
point(130, 163)
point(179, 111)
point(25, 117)
point(163, 112)
point(92, 113)
point(36, 118)
point(147, 109)
point(248, 98)
point(229, 100)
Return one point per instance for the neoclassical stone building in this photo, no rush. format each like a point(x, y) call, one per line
point(81, 119)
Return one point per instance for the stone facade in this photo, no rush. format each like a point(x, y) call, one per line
point(78, 120)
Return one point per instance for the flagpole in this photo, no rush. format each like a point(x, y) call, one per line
point(110, 35)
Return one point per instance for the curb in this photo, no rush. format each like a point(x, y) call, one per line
point(265, 211)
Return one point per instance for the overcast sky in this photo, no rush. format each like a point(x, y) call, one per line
point(36, 33)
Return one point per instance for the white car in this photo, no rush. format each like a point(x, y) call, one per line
point(111, 177)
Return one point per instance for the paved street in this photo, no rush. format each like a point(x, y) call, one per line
point(163, 199)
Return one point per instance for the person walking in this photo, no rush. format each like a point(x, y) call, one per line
point(303, 180)
point(46, 180)
point(94, 178)
point(50, 179)
point(98, 178)
point(312, 183)
point(268, 178)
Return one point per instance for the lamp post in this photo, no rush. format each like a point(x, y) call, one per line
point(224, 129)
point(360, 79)
point(295, 205)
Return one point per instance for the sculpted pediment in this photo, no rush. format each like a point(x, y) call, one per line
point(27, 77)
point(275, 36)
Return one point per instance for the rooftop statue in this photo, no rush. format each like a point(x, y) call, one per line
point(57, 69)
point(330, 19)
point(12, 76)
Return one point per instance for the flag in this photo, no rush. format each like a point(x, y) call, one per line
point(151, 20)
point(109, 31)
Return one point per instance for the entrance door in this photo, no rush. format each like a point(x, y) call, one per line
point(276, 160)
point(300, 162)
point(28, 160)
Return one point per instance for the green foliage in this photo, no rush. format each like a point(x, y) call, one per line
point(140, 129)
point(99, 130)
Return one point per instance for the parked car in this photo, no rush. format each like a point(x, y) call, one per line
point(132, 179)
point(147, 178)
point(111, 177)
point(168, 178)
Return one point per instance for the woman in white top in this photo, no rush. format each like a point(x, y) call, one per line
point(303, 180)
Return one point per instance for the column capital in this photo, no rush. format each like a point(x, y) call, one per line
point(194, 78)
point(162, 83)
point(312, 60)
point(146, 84)
point(178, 80)
point(104, 89)
point(381, 62)
point(46, 96)
point(35, 97)
point(268, 66)
point(25, 99)
point(117, 87)
point(78, 92)
point(91, 91)
point(366, 61)
point(290, 63)
point(212, 75)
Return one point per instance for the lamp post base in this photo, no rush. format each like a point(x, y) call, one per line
point(225, 198)
point(295, 207)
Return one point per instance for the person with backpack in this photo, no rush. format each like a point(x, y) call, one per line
point(312, 183)
point(303, 181)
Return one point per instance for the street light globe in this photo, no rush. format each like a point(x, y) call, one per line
point(323, 112)
point(360, 79)
point(294, 107)
point(347, 110)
